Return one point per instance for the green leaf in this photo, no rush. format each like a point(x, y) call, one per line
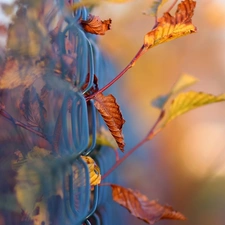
point(185, 102)
point(183, 82)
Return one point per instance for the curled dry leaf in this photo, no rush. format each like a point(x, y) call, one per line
point(110, 111)
point(169, 27)
point(94, 171)
point(140, 206)
point(95, 25)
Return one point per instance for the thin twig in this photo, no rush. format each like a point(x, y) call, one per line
point(149, 136)
point(173, 4)
point(20, 124)
point(130, 65)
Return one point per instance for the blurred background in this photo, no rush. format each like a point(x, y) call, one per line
point(183, 166)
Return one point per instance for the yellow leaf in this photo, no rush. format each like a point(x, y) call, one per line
point(183, 82)
point(94, 170)
point(185, 102)
point(35, 179)
point(169, 27)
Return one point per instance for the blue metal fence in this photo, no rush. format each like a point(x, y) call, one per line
point(77, 204)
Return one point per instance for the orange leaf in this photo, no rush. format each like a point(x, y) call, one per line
point(110, 111)
point(95, 25)
point(169, 27)
point(140, 207)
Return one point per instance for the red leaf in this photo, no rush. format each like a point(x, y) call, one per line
point(140, 206)
point(110, 111)
point(95, 25)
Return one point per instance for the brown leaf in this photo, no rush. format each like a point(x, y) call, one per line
point(32, 108)
point(95, 25)
point(110, 111)
point(140, 206)
point(169, 27)
point(19, 73)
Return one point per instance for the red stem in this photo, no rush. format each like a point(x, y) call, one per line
point(123, 158)
point(152, 132)
point(149, 136)
point(131, 64)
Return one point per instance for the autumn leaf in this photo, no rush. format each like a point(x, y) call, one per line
point(185, 102)
point(95, 25)
point(141, 207)
point(30, 177)
point(183, 82)
point(94, 171)
point(27, 36)
point(15, 74)
point(110, 111)
point(169, 27)
point(32, 108)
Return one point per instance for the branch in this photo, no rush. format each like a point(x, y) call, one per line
point(20, 124)
point(130, 65)
point(149, 136)
point(173, 4)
